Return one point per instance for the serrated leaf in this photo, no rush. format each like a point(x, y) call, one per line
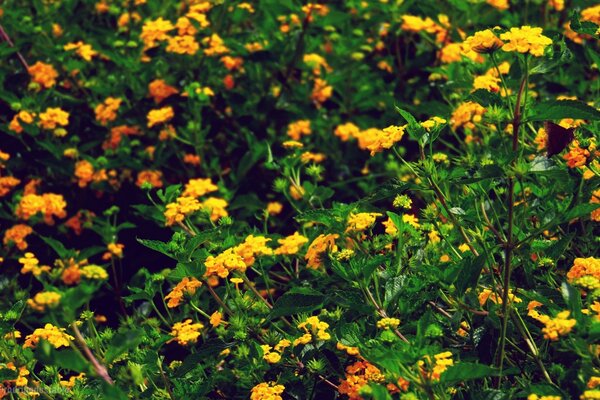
point(580, 210)
point(123, 342)
point(469, 273)
point(65, 358)
point(485, 98)
point(559, 109)
point(297, 300)
point(464, 371)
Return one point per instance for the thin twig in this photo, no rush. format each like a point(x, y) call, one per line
point(99, 368)
point(4, 36)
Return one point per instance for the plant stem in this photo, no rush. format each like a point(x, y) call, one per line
point(99, 368)
point(509, 244)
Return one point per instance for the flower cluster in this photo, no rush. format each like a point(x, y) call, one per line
point(187, 286)
point(54, 335)
point(267, 391)
point(314, 330)
point(320, 245)
point(186, 332)
point(585, 272)
point(359, 374)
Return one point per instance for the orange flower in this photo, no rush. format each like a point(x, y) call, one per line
point(43, 74)
point(107, 111)
point(17, 235)
point(152, 177)
point(54, 117)
point(7, 183)
point(160, 90)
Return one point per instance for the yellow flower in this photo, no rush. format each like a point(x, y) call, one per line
point(216, 207)
point(390, 227)
point(43, 74)
point(54, 117)
point(534, 396)
point(186, 286)
point(160, 116)
point(591, 14)
point(291, 244)
point(558, 326)
point(199, 187)
point(411, 220)
point(388, 323)
point(215, 45)
point(467, 115)
point(498, 4)
point(316, 62)
point(176, 212)
point(346, 131)
point(558, 5)
point(483, 42)
point(251, 247)
point(352, 351)
point(50, 204)
point(308, 156)
point(487, 294)
point(44, 299)
point(271, 357)
point(155, 31)
point(84, 51)
point(313, 329)
point(183, 45)
point(274, 208)
point(215, 319)
point(320, 245)
point(267, 391)
point(31, 264)
point(292, 144)
point(54, 335)
point(186, 332)
point(526, 40)
point(487, 82)
point(585, 272)
point(94, 272)
point(376, 140)
point(361, 221)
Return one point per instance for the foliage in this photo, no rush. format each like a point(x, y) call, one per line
point(279, 199)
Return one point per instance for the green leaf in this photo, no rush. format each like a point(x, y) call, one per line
point(123, 342)
point(467, 371)
point(65, 358)
point(560, 56)
point(580, 210)
point(57, 246)
point(157, 245)
point(572, 297)
point(585, 27)
point(209, 350)
point(485, 98)
point(414, 129)
point(297, 300)
point(559, 109)
point(469, 273)
point(8, 374)
point(379, 392)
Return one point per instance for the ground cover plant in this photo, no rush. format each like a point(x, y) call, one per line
point(290, 200)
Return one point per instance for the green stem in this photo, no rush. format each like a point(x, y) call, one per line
point(509, 245)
